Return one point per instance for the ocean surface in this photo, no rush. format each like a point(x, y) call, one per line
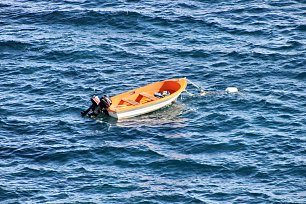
point(248, 147)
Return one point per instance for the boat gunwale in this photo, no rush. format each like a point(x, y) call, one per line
point(118, 115)
point(139, 107)
point(160, 100)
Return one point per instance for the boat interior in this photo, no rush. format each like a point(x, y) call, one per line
point(144, 94)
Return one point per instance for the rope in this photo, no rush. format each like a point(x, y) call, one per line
point(203, 92)
point(195, 85)
point(190, 94)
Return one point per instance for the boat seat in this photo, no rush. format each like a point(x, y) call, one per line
point(130, 101)
point(152, 98)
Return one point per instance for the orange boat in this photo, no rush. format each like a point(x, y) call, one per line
point(147, 98)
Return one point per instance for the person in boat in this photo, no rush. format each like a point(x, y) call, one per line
point(98, 105)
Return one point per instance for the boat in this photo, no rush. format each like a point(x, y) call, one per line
point(146, 99)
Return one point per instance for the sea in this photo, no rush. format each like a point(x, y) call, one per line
point(245, 147)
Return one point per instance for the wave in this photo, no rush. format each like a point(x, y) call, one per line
point(14, 45)
point(120, 18)
point(3, 5)
point(124, 19)
point(214, 148)
point(301, 76)
point(289, 45)
point(83, 153)
point(166, 197)
point(9, 195)
point(185, 165)
point(68, 55)
point(301, 27)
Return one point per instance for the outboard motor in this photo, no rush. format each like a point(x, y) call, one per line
point(98, 105)
point(95, 100)
point(105, 103)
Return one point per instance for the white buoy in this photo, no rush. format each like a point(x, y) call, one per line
point(231, 90)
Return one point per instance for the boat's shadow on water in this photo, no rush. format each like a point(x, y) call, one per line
point(171, 115)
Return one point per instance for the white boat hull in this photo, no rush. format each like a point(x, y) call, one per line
point(142, 110)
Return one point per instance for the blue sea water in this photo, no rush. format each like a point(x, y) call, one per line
point(230, 148)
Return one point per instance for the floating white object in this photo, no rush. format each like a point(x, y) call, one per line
point(231, 90)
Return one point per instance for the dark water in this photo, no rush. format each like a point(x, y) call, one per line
point(242, 148)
